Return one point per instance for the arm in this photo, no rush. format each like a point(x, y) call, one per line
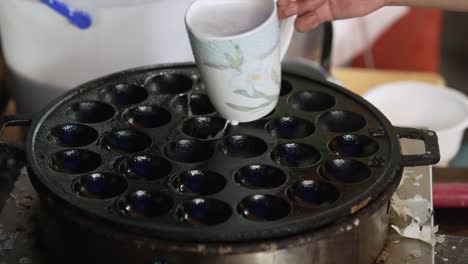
point(454, 5)
point(313, 12)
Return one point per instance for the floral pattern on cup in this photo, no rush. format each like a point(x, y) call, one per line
point(250, 79)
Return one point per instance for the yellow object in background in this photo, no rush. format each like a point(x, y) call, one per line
point(362, 80)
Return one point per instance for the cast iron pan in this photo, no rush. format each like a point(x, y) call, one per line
point(143, 150)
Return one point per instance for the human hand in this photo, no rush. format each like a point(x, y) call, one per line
point(313, 12)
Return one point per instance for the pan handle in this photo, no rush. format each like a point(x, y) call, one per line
point(14, 120)
point(12, 156)
point(432, 154)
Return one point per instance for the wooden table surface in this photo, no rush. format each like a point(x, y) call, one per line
point(362, 80)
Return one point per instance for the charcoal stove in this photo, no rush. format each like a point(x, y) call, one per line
point(137, 167)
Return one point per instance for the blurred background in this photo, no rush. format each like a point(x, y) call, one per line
point(421, 40)
point(432, 41)
point(453, 64)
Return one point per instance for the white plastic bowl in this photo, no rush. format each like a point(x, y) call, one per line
point(417, 104)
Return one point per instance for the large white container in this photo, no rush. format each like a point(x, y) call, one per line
point(417, 104)
point(46, 55)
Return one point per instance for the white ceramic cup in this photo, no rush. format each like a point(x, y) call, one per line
point(238, 46)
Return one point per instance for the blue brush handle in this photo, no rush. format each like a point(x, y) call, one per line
point(78, 18)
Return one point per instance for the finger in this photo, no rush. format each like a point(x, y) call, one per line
point(290, 10)
point(307, 21)
point(282, 4)
point(308, 5)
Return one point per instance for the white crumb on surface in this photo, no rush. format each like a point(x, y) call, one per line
point(415, 231)
point(403, 179)
point(356, 222)
point(416, 208)
point(440, 238)
point(416, 253)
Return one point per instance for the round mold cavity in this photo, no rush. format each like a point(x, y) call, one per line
point(147, 116)
point(204, 212)
point(309, 101)
point(354, 146)
point(295, 155)
point(205, 128)
point(169, 83)
point(146, 167)
point(100, 185)
point(242, 146)
point(260, 207)
point(313, 194)
point(286, 88)
point(290, 128)
point(199, 182)
point(341, 121)
point(73, 135)
point(123, 94)
point(260, 177)
point(74, 161)
point(189, 151)
point(344, 170)
point(143, 203)
point(90, 112)
point(125, 141)
point(200, 104)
